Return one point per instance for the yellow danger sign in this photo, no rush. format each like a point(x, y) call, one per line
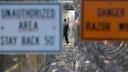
point(104, 19)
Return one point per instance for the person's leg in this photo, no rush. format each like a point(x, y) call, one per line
point(66, 39)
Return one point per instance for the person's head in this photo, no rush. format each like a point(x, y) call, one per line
point(65, 20)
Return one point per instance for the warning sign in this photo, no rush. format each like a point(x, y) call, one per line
point(30, 28)
point(104, 20)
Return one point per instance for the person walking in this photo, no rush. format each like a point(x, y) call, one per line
point(66, 30)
